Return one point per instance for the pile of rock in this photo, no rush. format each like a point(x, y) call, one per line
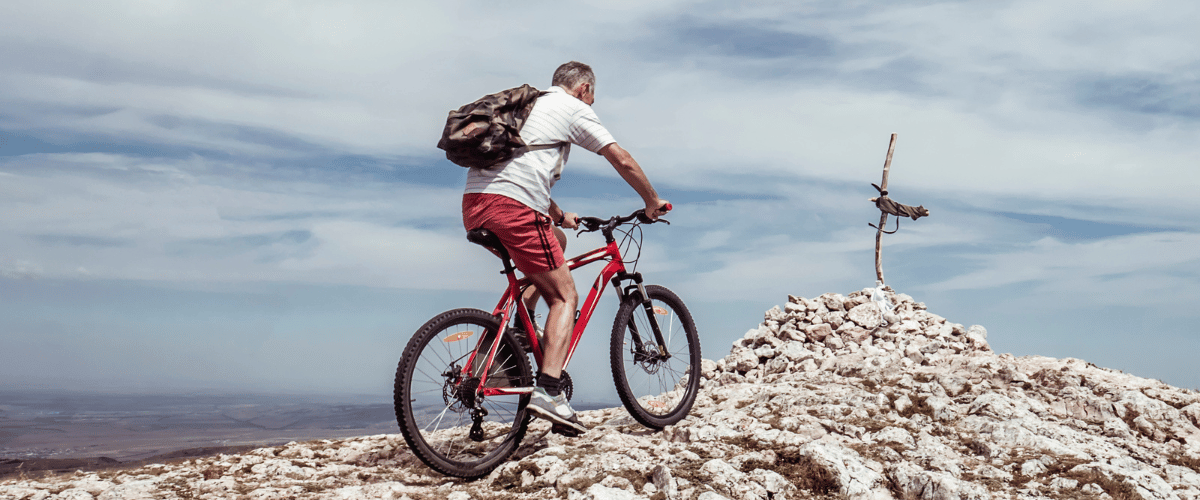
point(812, 334)
point(827, 398)
point(908, 405)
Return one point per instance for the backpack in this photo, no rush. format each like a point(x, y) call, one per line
point(487, 132)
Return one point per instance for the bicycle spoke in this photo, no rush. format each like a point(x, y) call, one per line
point(438, 419)
point(438, 353)
point(432, 380)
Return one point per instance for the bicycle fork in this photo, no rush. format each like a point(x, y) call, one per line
point(625, 292)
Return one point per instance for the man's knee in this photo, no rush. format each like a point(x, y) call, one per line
point(556, 285)
point(572, 298)
point(569, 300)
point(568, 294)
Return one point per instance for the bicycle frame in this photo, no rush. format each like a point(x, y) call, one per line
point(614, 271)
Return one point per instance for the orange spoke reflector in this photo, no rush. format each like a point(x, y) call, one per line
point(458, 336)
point(660, 311)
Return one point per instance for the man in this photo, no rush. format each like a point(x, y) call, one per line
point(514, 202)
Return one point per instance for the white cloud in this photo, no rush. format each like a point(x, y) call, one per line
point(990, 100)
point(995, 116)
point(374, 78)
point(397, 257)
point(20, 269)
point(1125, 269)
point(123, 217)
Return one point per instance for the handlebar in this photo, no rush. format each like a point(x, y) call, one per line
point(590, 224)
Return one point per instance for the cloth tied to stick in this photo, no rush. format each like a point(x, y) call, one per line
point(890, 206)
point(880, 299)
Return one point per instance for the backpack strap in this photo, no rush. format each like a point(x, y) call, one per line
point(555, 145)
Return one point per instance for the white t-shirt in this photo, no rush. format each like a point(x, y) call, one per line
point(557, 117)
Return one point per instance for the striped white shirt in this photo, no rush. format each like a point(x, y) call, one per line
point(557, 117)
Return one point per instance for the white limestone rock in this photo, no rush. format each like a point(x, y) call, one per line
point(912, 482)
point(742, 359)
point(601, 492)
point(854, 479)
point(865, 315)
point(832, 301)
point(818, 332)
point(893, 435)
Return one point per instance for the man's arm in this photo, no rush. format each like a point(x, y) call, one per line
point(629, 170)
point(569, 220)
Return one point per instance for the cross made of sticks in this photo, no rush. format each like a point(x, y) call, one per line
point(887, 206)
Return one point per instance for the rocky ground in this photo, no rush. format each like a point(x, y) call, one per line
point(822, 400)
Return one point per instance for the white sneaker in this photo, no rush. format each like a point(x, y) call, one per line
point(556, 409)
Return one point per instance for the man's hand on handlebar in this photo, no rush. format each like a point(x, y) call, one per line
point(657, 209)
point(570, 220)
point(589, 224)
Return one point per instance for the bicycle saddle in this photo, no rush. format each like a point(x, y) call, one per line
point(488, 240)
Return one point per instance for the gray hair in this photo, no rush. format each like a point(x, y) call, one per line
point(571, 74)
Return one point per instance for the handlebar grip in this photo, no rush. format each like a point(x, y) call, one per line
point(667, 207)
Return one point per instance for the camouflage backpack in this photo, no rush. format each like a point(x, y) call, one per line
point(487, 132)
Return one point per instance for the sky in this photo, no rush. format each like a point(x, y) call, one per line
point(246, 196)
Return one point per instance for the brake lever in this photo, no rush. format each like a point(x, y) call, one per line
point(587, 225)
point(645, 219)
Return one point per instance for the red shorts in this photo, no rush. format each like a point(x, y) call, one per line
point(527, 235)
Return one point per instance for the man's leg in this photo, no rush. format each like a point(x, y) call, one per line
point(532, 294)
point(558, 288)
point(548, 401)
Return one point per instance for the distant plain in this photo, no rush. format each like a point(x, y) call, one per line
point(126, 427)
point(88, 430)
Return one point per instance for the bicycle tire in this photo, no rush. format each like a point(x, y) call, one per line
point(657, 392)
point(435, 418)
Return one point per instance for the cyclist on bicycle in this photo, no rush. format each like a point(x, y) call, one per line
point(513, 201)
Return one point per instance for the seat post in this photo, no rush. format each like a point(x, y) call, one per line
point(490, 241)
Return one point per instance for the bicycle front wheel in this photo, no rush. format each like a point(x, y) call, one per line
point(442, 412)
point(657, 386)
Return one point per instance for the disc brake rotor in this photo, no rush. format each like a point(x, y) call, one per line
point(648, 358)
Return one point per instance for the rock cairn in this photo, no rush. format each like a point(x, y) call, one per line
point(821, 400)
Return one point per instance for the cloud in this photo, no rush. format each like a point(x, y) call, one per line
point(123, 217)
point(203, 142)
point(987, 98)
point(75, 240)
point(20, 269)
point(739, 41)
point(1148, 270)
point(396, 257)
point(1143, 94)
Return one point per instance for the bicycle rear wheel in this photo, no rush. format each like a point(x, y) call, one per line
point(657, 388)
point(436, 405)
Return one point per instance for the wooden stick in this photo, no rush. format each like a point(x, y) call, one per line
point(887, 166)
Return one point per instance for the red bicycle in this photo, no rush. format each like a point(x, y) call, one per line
point(464, 378)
